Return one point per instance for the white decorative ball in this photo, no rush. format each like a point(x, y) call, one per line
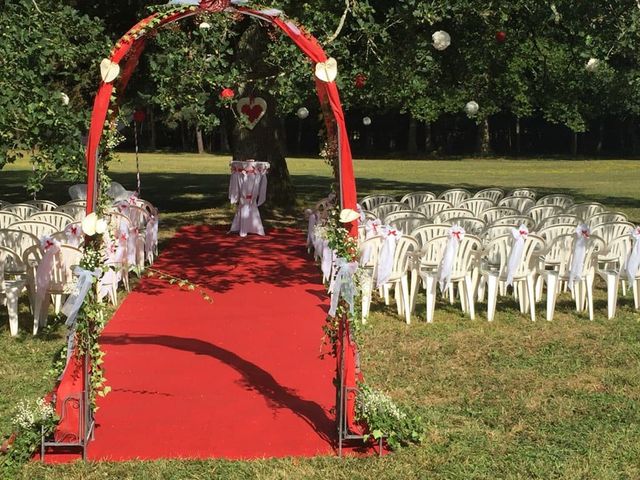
point(65, 98)
point(366, 121)
point(302, 113)
point(441, 40)
point(592, 65)
point(471, 108)
point(204, 26)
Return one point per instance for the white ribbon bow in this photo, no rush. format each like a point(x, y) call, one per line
point(310, 229)
point(633, 262)
point(387, 253)
point(151, 237)
point(73, 232)
point(327, 261)
point(456, 234)
point(343, 285)
point(579, 252)
point(520, 235)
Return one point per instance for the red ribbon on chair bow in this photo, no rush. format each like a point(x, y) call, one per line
point(48, 243)
point(585, 233)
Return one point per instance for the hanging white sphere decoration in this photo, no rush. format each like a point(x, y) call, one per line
point(65, 98)
point(366, 121)
point(302, 113)
point(592, 65)
point(441, 40)
point(471, 108)
point(204, 26)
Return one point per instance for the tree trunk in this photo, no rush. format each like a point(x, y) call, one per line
point(412, 145)
point(153, 145)
point(484, 139)
point(574, 143)
point(428, 138)
point(518, 137)
point(183, 137)
point(600, 137)
point(265, 141)
point(200, 141)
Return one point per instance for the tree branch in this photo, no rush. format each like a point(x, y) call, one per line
point(40, 11)
point(342, 20)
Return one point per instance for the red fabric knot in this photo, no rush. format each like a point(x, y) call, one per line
point(74, 230)
point(248, 197)
point(456, 234)
point(47, 245)
point(524, 233)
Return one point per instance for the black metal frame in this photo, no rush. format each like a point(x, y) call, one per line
point(86, 425)
point(341, 406)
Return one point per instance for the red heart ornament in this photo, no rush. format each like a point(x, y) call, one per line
point(251, 110)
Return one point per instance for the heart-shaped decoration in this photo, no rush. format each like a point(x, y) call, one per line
point(109, 70)
point(327, 71)
point(251, 110)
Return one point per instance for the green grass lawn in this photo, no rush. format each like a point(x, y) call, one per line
point(512, 399)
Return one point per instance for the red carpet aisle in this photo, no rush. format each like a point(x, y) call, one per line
point(236, 378)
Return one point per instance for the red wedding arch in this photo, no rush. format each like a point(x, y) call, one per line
point(126, 54)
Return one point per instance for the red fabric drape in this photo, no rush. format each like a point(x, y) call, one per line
point(328, 92)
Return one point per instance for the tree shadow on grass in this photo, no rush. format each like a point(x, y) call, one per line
point(254, 378)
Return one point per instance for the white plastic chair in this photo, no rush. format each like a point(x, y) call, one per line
point(426, 233)
point(540, 212)
point(558, 199)
point(611, 270)
point(494, 271)
point(473, 226)
point(585, 210)
point(426, 260)
point(605, 217)
point(58, 219)
point(384, 209)
point(495, 231)
point(431, 208)
point(491, 215)
point(462, 274)
point(11, 285)
point(455, 196)
point(406, 222)
point(610, 231)
point(77, 212)
point(445, 215)
point(523, 192)
point(521, 204)
point(416, 198)
point(61, 278)
point(371, 201)
point(7, 218)
point(550, 232)
point(398, 279)
point(43, 205)
point(562, 219)
point(515, 221)
point(23, 210)
point(477, 205)
point(4, 204)
point(583, 284)
point(38, 229)
point(493, 194)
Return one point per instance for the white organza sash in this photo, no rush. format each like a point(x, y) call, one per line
point(371, 228)
point(50, 249)
point(343, 285)
point(633, 261)
point(73, 232)
point(579, 252)
point(387, 254)
point(520, 235)
point(456, 234)
point(327, 261)
point(311, 226)
point(151, 237)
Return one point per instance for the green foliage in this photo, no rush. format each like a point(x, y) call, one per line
point(47, 50)
point(399, 426)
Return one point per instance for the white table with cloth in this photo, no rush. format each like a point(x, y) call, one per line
point(248, 190)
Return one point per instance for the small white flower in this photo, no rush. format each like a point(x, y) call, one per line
point(101, 226)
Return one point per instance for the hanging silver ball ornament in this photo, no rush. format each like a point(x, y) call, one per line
point(302, 113)
point(366, 121)
point(64, 98)
point(592, 65)
point(204, 26)
point(441, 40)
point(471, 108)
